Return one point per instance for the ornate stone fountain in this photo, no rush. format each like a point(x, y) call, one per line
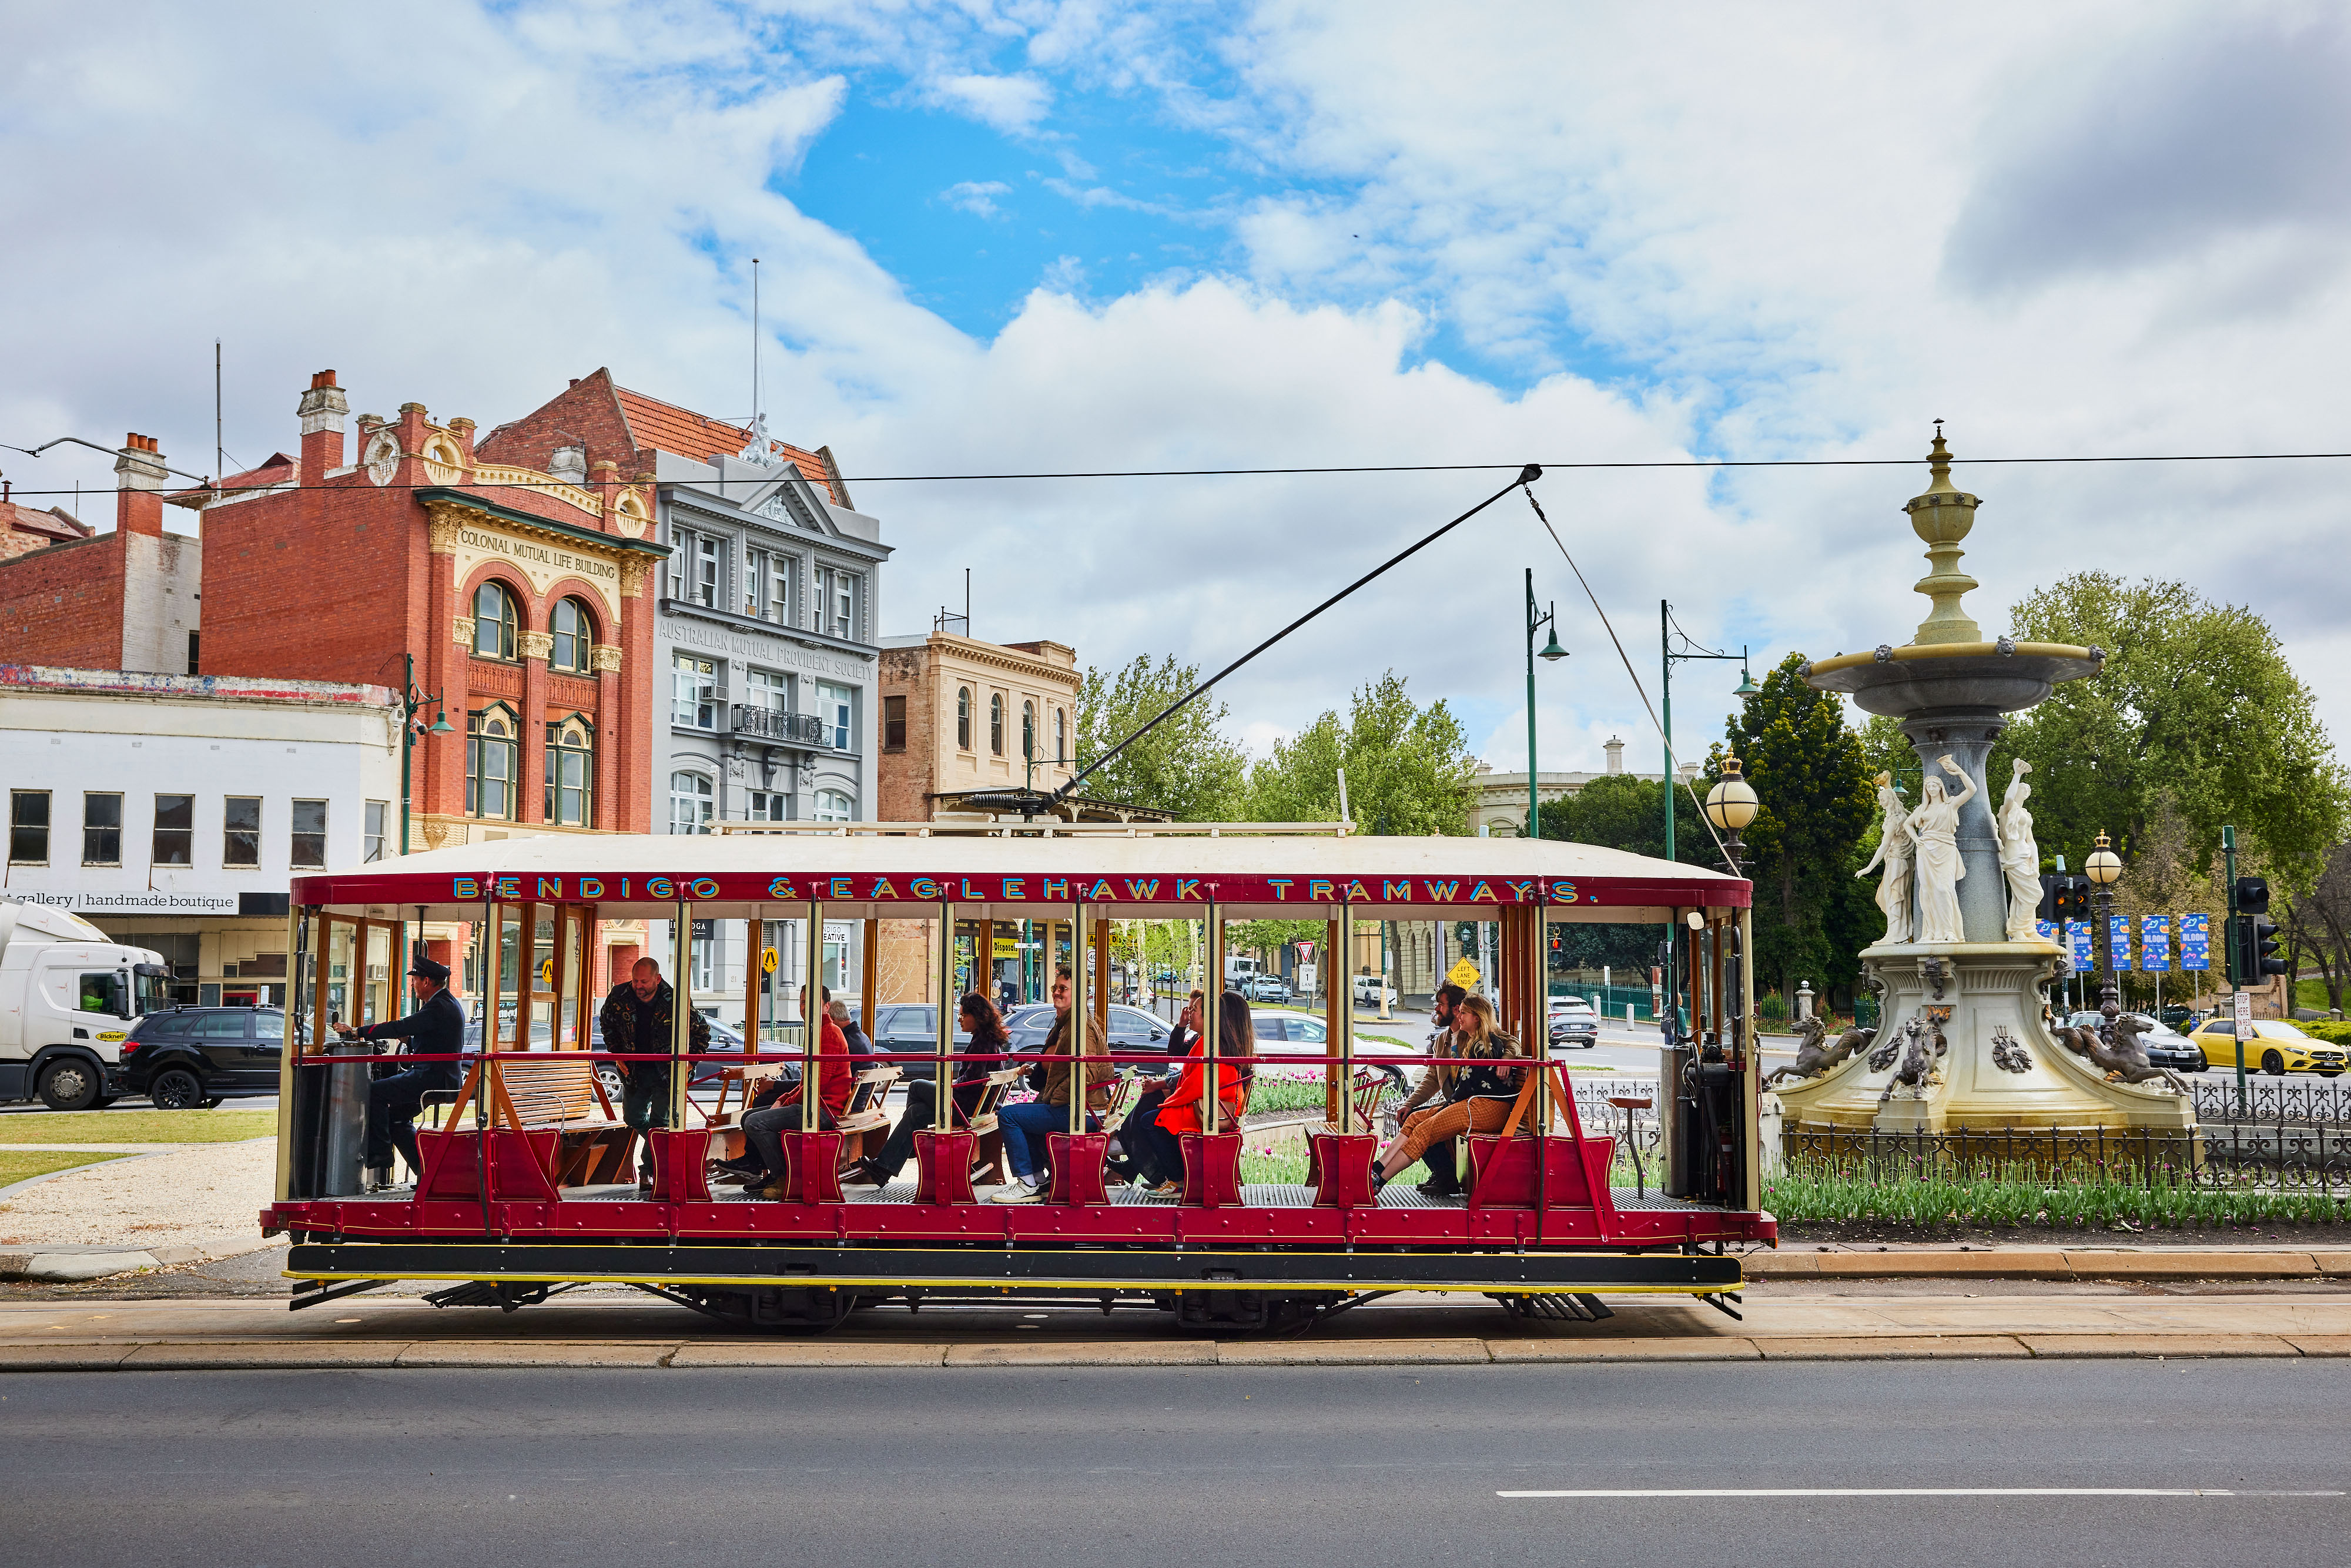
point(1962, 1043)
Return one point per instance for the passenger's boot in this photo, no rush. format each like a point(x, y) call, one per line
point(378, 1177)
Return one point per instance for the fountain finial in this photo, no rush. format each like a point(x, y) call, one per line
point(1941, 515)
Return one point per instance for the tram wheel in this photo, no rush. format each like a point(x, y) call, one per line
point(776, 1310)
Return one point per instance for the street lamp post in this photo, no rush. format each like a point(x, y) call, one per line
point(1552, 654)
point(2105, 868)
point(412, 703)
point(1668, 656)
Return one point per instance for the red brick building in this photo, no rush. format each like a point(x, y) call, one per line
point(523, 599)
point(118, 600)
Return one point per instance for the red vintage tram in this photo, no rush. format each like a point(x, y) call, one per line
point(527, 1181)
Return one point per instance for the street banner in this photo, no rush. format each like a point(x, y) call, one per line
point(2195, 941)
point(2078, 933)
point(2045, 929)
point(2155, 943)
point(2118, 940)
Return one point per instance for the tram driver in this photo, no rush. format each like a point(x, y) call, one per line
point(436, 1029)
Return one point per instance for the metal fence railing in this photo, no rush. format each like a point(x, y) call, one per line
point(2301, 1097)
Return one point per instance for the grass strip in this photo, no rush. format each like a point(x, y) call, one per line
point(22, 1165)
point(137, 1126)
point(1801, 1194)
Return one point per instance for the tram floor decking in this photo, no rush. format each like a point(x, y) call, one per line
point(1254, 1195)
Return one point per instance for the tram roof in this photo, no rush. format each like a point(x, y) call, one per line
point(1146, 870)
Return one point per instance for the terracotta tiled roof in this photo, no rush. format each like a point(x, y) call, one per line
point(277, 470)
point(56, 523)
point(682, 433)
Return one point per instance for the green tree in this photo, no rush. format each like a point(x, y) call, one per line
point(1409, 767)
point(1622, 811)
point(1812, 776)
point(2196, 712)
point(1187, 767)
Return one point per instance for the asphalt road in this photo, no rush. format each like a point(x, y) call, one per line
point(1221, 1466)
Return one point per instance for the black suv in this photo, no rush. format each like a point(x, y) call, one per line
point(193, 1058)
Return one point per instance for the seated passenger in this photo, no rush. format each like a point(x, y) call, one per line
point(847, 1021)
point(1444, 1180)
point(1478, 1093)
point(1027, 1126)
point(764, 1130)
point(1143, 1152)
point(1179, 1108)
point(981, 1022)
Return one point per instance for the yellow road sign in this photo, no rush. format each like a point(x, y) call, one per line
point(546, 972)
point(1464, 975)
point(766, 960)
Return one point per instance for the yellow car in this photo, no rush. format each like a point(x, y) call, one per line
point(2277, 1047)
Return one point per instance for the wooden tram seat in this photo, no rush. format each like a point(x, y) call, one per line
point(539, 1129)
point(1348, 1182)
point(988, 1151)
point(864, 1123)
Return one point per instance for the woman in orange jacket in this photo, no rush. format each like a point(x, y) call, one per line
point(1179, 1108)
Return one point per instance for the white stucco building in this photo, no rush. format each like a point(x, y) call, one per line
point(172, 810)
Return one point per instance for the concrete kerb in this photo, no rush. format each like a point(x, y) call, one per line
point(2050, 1263)
point(292, 1355)
point(72, 1264)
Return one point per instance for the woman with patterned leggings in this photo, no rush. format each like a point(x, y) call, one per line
point(1478, 1093)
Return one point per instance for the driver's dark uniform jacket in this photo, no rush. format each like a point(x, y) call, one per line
point(436, 1029)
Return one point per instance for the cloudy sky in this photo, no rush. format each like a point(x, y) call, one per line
point(1026, 236)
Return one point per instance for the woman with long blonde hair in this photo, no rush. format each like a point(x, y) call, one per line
point(1477, 1091)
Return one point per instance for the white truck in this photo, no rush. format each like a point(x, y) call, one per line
point(69, 996)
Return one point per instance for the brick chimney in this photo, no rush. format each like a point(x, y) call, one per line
point(139, 480)
point(323, 409)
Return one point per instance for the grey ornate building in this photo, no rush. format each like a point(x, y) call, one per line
point(767, 665)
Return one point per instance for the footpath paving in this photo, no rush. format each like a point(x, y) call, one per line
point(360, 1332)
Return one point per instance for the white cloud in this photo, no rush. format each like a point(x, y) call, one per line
point(1013, 104)
point(976, 197)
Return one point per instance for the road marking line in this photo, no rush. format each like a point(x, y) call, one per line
point(1914, 1491)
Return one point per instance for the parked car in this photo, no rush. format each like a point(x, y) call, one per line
point(1131, 1031)
point(1266, 989)
point(187, 1059)
point(1372, 991)
point(2165, 1047)
point(2277, 1047)
point(1296, 1034)
point(1573, 1024)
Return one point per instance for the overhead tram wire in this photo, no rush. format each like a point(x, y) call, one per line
point(1527, 475)
point(1673, 761)
point(1668, 464)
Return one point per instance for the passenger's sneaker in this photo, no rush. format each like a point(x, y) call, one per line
point(1167, 1189)
point(773, 1191)
point(1017, 1192)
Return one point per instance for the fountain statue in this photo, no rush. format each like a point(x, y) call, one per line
point(2020, 857)
point(1961, 967)
point(1894, 855)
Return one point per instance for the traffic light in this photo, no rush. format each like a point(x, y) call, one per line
point(2070, 896)
point(2252, 895)
point(2257, 946)
point(2052, 893)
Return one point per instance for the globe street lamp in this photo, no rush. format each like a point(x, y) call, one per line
point(2105, 868)
point(1731, 805)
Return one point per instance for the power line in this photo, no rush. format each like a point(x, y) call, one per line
point(1686, 463)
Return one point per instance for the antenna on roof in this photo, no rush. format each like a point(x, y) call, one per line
point(755, 346)
point(220, 463)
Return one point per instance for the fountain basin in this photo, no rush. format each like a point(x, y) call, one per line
point(1920, 679)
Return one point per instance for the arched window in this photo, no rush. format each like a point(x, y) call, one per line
point(995, 723)
point(571, 771)
point(833, 806)
point(1028, 731)
point(689, 802)
point(963, 719)
point(575, 638)
point(490, 737)
point(494, 622)
point(1061, 735)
